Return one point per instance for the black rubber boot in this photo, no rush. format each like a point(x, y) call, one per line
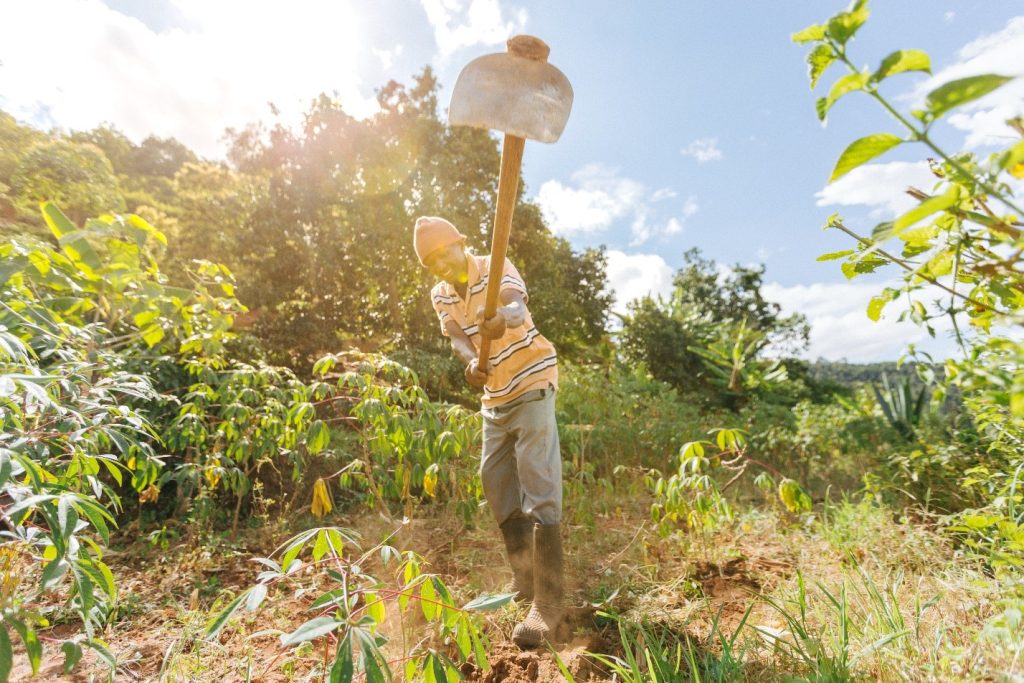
point(548, 608)
point(518, 535)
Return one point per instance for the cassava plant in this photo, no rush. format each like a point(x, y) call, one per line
point(349, 618)
point(694, 495)
point(79, 323)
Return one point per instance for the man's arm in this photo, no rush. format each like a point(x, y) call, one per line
point(510, 315)
point(464, 348)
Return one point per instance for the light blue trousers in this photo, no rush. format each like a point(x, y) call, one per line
point(521, 465)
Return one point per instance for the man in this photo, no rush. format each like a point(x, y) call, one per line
point(521, 465)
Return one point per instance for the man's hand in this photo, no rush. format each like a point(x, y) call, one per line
point(474, 375)
point(491, 328)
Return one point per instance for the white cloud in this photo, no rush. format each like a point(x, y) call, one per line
point(459, 24)
point(703, 150)
point(690, 206)
point(387, 57)
point(78, 63)
point(984, 120)
point(675, 225)
point(598, 197)
point(841, 329)
point(632, 276)
point(949, 16)
point(601, 197)
point(882, 186)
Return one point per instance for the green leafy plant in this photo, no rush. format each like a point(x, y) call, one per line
point(350, 616)
point(693, 496)
point(963, 240)
point(901, 407)
point(72, 435)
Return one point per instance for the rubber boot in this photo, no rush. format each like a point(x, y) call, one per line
point(518, 535)
point(548, 608)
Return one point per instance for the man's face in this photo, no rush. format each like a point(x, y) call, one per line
point(449, 264)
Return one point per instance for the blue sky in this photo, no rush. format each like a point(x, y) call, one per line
point(693, 123)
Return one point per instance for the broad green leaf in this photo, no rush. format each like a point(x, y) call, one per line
point(875, 307)
point(294, 547)
point(372, 657)
point(320, 545)
point(939, 265)
point(256, 596)
point(152, 335)
point(314, 628)
point(845, 85)
point(903, 60)
point(852, 269)
point(920, 236)
point(462, 639)
point(809, 34)
point(835, 255)
point(818, 61)
point(58, 223)
point(1013, 160)
point(927, 208)
point(317, 437)
point(53, 572)
point(344, 666)
point(844, 25)
point(144, 318)
point(862, 151)
point(143, 226)
point(375, 607)
point(794, 497)
point(103, 651)
point(428, 600)
point(72, 653)
point(215, 626)
point(5, 466)
point(963, 90)
point(33, 648)
point(23, 506)
point(67, 517)
point(6, 655)
point(485, 603)
point(10, 267)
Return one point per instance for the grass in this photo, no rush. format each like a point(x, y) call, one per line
point(852, 593)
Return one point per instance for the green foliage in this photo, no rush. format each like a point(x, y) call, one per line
point(352, 615)
point(652, 418)
point(962, 240)
point(693, 495)
point(73, 432)
point(409, 447)
point(901, 408)
point(708, 339)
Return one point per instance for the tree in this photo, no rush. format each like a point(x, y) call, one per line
point(328, 239)
point(714, 325)
point(76, 175)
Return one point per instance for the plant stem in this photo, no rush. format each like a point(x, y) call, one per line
point(906, 266)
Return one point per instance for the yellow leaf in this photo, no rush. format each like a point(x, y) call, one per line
point(430, 480)
point(322, 503)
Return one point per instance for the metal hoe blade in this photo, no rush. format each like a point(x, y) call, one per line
point(516, 92)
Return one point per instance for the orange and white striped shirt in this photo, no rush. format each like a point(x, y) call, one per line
point(522, 359)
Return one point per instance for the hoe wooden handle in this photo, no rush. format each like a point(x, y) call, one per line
point(508, 187)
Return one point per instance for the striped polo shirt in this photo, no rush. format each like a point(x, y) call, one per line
point(522, 359)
